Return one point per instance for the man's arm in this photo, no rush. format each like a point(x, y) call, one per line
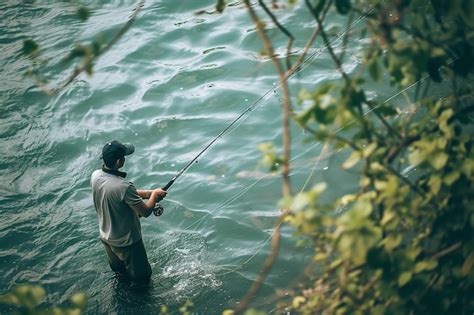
point(144, 209)
point(144, 193)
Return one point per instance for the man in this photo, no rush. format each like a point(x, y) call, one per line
point(119, 205)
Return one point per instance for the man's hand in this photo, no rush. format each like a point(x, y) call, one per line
point(161, 193)
point(144, 209)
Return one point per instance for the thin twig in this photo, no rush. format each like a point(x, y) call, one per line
point(309, 43)
point(384, 121)
point(345, 39)
point(327, 43)
point(257, 284)
point(447, 251)
point(79, 69)
point(285, 31)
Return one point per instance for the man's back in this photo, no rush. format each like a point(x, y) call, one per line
point(118, 224)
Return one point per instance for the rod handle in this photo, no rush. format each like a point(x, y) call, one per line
point(168, 185)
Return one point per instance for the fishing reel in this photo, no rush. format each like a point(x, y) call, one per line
point(158, 210)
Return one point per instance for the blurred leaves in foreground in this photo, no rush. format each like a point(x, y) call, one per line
point(28, 299)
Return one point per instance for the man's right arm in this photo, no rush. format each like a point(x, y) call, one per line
point(143, 209)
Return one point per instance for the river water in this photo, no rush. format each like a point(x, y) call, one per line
point(169, 86)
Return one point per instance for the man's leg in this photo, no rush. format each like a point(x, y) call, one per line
point(136, 261)
point(115, 263)
point(138, 267)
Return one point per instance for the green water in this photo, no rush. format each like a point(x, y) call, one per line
point(169, 86)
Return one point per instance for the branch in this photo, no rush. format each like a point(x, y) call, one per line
point(282, 29)
point(309, 43)
point(326, 42)
point(257, 284)
point(79, 69)
point(266, 267)
point(447, 251)
point(346, 36)
point(384, 121)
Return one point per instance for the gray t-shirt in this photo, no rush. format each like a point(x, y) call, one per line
point(119, 225)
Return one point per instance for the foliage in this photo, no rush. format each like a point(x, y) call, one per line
point(403, 244)
point(84, 55)
point(26, 299)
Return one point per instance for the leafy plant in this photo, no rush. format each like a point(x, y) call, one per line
point(403, 244)
point(27, 299)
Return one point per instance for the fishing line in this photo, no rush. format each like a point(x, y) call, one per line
point(305, 63)
point(241, 265)
point(254, 105)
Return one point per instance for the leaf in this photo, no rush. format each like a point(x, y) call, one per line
point(374, 69)
point(80, 300)
point(83, 13)
point(385, 110)
point(438, 160)
point(297, 301)
point(450, 178)
point(30, 47)
point(467, 266)
point(425, 265)
point(320, 257)
point(392, 241)
point(220, 5)
point(404, 278)
point(433, 68)
point(353, 159)
point(435, 184)
point(343, 6)
point(319, 6)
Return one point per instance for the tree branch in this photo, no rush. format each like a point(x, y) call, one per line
point(291, 38)
point(79, 69)
point(257, 284)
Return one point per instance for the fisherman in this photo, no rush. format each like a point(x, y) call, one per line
point(119, 206)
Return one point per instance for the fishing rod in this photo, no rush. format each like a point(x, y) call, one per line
point(158, 210)
point(249, 109)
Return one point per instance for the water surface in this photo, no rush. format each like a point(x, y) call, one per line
point(169, 86)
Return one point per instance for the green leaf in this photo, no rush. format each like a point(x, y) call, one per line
point(353, 159)
point(83, 13)
point(404, 278)
point(220, 5)
point(467, 266)
point(385, 110)
point(343, 6)
point(425, 265)
point(319, 6)
point(80, 300)
point(433, 68)
point(435, 184)
point(297, 301)
point(30, 47)
point(392, 241)
point(451, 177)
point(438, 160)
point(374, 69)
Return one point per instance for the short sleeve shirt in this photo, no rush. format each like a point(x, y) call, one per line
point(119, 225)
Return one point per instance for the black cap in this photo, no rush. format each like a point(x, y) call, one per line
point(114, 150)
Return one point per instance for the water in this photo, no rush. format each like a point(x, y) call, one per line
point(170, 85)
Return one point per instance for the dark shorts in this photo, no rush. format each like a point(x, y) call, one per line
point(130, 260)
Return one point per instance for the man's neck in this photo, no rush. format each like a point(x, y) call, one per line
point(113, 171)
